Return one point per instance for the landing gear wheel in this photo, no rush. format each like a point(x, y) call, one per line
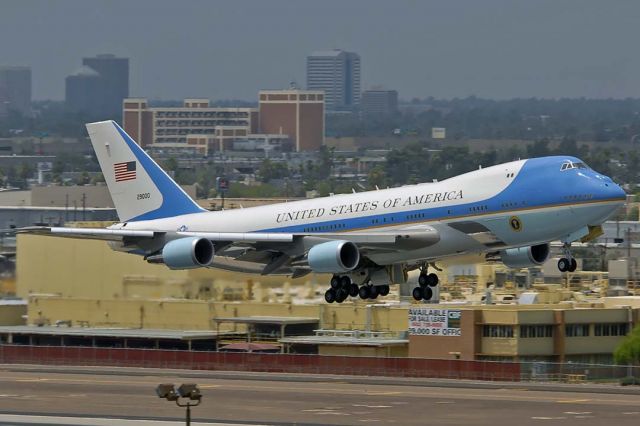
point(564, 264)
point(432, 280)
point(574, 265)
point(364, 292)
point(335, 282)
point(341, 295)
point(373, 292)
point(427, 293)
point(423, 279)
point(353, 290)
point(345, 281)
point(330, 295)
point(383, 290)
point(417, 293)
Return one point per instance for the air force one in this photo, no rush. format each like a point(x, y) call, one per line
point(368, 240)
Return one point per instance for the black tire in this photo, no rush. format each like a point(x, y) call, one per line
point(427, 293)
point(383, 290)
point(417, 293)
point(422, 279)
point(364, 292)
point(373, 292)
point(341, 295)
point(345, 281)
point(335, 282)
point(432, 280)
point(330, 296)
point(574, 265)
point(563, 264)
point(353, 290)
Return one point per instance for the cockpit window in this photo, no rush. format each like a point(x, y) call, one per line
point(567, 165)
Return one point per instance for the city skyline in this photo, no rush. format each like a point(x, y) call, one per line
point(496, 49)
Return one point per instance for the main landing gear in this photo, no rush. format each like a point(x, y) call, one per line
point(342, 287)
point(426, 282)
point(567, 263)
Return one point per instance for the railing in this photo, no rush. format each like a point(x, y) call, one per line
point(317, 364)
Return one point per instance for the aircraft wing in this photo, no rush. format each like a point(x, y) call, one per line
point(268, 252)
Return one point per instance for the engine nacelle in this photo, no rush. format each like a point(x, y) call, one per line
point(525, 257)
point(188, 253)
point(334, 257)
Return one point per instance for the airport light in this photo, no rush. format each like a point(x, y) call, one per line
point(188, 391)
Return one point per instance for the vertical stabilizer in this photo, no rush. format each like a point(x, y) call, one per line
point(140, 189)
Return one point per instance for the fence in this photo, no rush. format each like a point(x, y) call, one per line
point(314, 364)
point(277, 363)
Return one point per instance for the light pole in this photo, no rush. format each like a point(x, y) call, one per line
point(189, 392)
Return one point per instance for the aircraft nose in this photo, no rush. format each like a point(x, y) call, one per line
point(617, 191)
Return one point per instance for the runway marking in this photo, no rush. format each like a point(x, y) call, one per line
point(571, 401)
point(577, 413)
point(97, 421)
point(548, 418)
point(376, 393)
point(631, 413)
point(445, 402)
point(371, 406)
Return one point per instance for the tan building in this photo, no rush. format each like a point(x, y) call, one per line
point(297, 113)
point(193, 125)
point(519, 333)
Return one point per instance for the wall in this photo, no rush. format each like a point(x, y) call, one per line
point(12, 314)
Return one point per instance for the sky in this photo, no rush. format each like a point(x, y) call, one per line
point(495, 49)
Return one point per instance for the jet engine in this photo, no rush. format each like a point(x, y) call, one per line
point(188, 253)
point(525, 257)
point(334, 257)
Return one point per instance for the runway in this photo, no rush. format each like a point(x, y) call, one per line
point(42, 395)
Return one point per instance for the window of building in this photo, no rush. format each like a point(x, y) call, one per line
point(533, 331)
point(615, 329)
point(499, 331)
point(576, 330)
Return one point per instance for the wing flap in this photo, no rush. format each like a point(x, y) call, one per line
point(88, 233)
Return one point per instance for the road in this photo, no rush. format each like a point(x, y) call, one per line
point(43, 395)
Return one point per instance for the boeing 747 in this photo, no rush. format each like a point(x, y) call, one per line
point(368, 240)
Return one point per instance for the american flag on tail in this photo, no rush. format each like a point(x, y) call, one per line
point(125, 171)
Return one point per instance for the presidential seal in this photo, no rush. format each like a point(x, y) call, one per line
point(514, 222)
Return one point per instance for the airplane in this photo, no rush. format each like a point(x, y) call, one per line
point(368, 240)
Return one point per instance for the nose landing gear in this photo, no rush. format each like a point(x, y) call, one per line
point(567, 263)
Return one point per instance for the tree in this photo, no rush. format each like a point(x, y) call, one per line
point(628, 352)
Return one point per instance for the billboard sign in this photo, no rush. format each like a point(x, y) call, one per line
point(434, 322)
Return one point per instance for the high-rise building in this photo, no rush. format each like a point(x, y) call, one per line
point(337, 73)
point(297, 113)
point(379, 102)
point(99, 86)
point(15, 90)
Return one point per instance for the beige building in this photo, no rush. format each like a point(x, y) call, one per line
point(85, 283)
point(195, 125)
point(520, 333)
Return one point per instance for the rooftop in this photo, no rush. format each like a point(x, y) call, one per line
point(132, 333)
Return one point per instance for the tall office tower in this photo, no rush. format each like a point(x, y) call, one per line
point(15, 90)
point(104, 91)
point(337, 73)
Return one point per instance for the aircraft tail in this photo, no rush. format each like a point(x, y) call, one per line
point(140, 189)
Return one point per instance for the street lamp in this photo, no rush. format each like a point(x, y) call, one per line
point(187, 391)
